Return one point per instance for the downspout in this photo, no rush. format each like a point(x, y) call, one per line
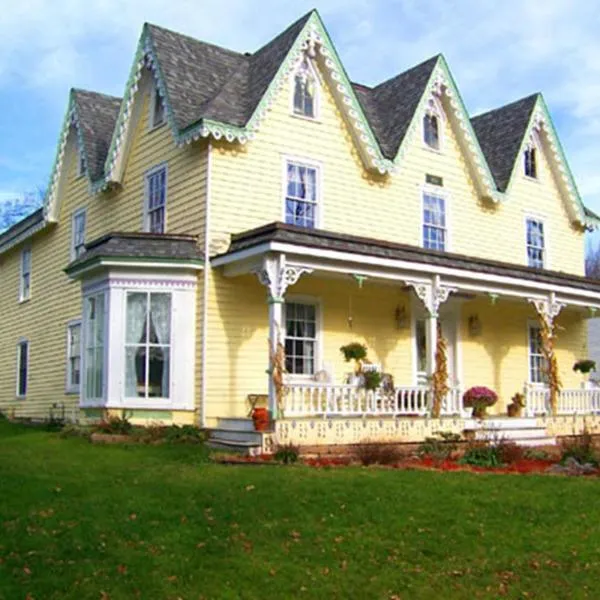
point(205, 288)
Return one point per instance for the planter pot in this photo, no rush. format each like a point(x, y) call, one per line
point(261, 419)
point(479, 412)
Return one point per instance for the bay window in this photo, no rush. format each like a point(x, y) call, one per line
point(73, 356)
point(95, 319)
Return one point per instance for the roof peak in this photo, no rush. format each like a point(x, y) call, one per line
point(512, 104)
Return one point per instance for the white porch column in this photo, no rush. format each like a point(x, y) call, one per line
point(276, 276)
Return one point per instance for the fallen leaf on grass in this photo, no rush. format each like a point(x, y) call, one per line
point(249, 488)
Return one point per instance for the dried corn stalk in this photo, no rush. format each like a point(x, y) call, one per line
point(551, 364)
point(440, 375)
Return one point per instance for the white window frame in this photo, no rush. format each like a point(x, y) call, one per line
point(438, 192)
point(318, 360)
point(81, 162)
point(542, 220)
point(148, 400)
point(25, 292)
point(85, 399)
point(311, 164)
point(75, 216)
point(531, 323)
point(20, 343)
point(147, 176)
point(154, 97)
point(434, 109)
point(70, 387)
point(317, 96)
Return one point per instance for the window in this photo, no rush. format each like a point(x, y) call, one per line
point(148, 345)
point(300, 338)
point(73, 356)
point(434, 222)
point(305, 91)
point(537, 360)
point(301, 195)
point(22, 368)
point(78, 234)
point(25, 286)
point(94, 319)
point(156, 200)
point(530, 163)
point(431, 135)
point(81, 170)
point(535, 243)
point(421, 341)
point(157, 109)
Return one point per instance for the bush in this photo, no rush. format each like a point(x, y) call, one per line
point(579, 447)
point(509, 452)
point(536, 454)
point(287, 453)
point(481, 454)
point(372, 379)
point(71, 430)
point(441, 447)
point(184, 434)
point(376, 453)
point(114, 425)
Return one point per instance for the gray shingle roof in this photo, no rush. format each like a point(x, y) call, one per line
point(163, 247)
point(500, 133)
point(327, 240)
point(97, 117)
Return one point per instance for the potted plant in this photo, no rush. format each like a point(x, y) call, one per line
point(261, 418)
point(479, 398)
point(515, 408)
point(372, 379)
point(355, 351)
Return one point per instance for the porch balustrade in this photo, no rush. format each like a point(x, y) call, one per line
point(324, 399)
point(570, 401)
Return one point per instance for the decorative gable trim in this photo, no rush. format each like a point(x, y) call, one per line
point(540, 123)
point(441, 84)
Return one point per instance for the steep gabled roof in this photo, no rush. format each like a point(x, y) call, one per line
point(96, 116)
point(391, 105)
point(501, 133)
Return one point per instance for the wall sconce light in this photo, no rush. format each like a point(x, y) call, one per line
point(400, 317)
point(474, 326)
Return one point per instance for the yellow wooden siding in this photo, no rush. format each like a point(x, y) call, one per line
point(55, 299)
point(248, 190)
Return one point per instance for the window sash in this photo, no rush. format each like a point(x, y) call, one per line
point(535, 243)
point(434, 222)
point(25, 285)
point(78, 239)
point(537, 360)
point(94, 322)
point(431, 132)
point(74, 356)
point(301, 338)
point(304, 100)
point(156, 200)
point(158, 109)
point(22, 368)
point(301, 202)
point(530, 163)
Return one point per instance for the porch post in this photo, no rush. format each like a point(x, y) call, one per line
point(431, 342)
point(276, 275)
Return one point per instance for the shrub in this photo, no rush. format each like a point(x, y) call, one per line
point(114, 425)
point(71, 430)
point(536, 454)
point(579, 447)
point(441, 447)
point(372, 379)
point(287, 453)
point(184, 434)
point(509, 452)
point(376, 453)
point(481, 454)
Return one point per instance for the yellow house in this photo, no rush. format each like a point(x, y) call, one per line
point(221, 231)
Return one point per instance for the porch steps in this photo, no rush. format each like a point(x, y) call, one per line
point(522, 431)
point(236, 435)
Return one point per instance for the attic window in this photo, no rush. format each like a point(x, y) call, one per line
point(305, 89)
point(530, 163)
point(431, 125)
point(80, 163)
point(157, 109)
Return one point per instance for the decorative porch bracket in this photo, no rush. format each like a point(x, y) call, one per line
point(276, 275)
point(547, 308)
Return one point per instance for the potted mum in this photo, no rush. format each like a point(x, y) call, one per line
point(479, 398)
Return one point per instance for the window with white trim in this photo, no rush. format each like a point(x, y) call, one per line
point(537, 360)
point(305, 91)
point(535, 243)
point(434, 221)
point(300, 338)
point(148, 345)
point(421, 346)
point(94, 342)
point(81, 168)
point(25, 279)
point(431, 134)
point(78, 223)
point(530, 162)
point(157, 109)
point(73, 356)
point(22, 368)
point(301, 195)
point(156, 200)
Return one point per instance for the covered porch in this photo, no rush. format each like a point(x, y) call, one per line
point(398, 301)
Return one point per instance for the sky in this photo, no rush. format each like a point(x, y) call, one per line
point(497, 51)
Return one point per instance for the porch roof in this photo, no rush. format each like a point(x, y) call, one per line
point(139, 248)
point(282, 233)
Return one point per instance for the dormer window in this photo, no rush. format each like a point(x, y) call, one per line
point(305, 91)
point(432, 125)
point(530, 162)
point(157, 110)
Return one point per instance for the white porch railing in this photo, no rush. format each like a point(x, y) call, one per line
point(326, 399)
point(570, 402)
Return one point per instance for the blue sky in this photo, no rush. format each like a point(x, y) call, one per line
point(497, 51)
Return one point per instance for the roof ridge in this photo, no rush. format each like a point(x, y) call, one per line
point(407, 71)
point(304, 17)
point(95, 93)
point(535, 96)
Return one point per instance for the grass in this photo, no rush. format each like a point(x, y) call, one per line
point(109, 522)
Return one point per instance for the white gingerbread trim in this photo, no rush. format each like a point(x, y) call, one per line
point(277, 276)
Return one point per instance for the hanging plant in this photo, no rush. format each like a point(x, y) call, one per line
point(584, 366)
point(355, 351)
point(439, 379)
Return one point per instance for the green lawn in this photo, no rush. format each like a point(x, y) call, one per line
point(82, 521)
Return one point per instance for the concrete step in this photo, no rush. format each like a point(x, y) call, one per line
point(235, 424)
point(510, 434)
point(502, 423)
point(532, 443)
point(232, 435)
